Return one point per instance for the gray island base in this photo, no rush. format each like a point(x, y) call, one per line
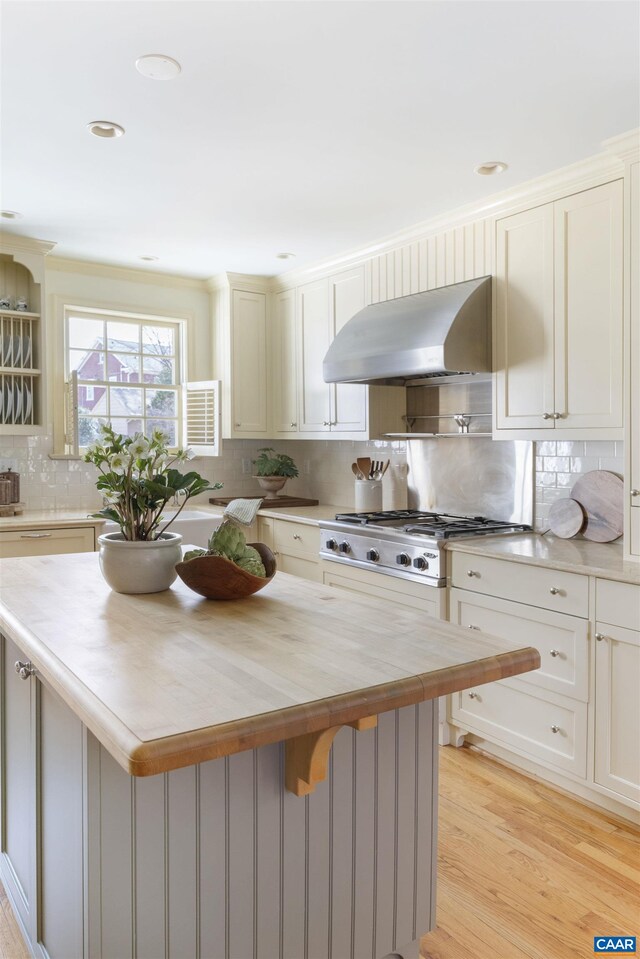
point(184, 779)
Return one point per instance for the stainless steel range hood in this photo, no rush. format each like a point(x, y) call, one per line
point(438, 333)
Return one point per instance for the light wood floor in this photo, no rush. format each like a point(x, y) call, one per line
point(524, 872)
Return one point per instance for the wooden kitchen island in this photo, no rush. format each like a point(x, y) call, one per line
point(244, 780)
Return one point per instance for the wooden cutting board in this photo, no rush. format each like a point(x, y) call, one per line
point(566, 518)
point(267, 503)
point(600, 493)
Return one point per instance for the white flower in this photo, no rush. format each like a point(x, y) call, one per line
point(139, 447)
point(183, 455)
point(112, 497)
point(119, 463)
point(159, 436)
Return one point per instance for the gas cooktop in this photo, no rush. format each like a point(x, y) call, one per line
point(436, 525)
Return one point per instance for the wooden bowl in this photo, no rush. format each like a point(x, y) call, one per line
point(218, 578)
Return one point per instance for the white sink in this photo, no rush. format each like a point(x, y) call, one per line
point(195, 526)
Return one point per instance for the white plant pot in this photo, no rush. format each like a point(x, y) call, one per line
point(139, 566)
point(271, 484)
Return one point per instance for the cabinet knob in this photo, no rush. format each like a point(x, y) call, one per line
point(326, 423)
point(297, 536)
point(237, 425)
point(473, 572)
point(547, 416)
point(293, 426)
point(24, 670)
point(556, 416)
point(600, 637)
point(556, 591)
point(554, 652)
point(474, 696)
point(473, 627)
point(555, 728)
point(635, 492)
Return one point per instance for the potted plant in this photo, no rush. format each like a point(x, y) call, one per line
point(137, 479)
point(273, 470)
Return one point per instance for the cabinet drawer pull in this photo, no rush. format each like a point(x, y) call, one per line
point(473, 627)
point(556, 591)
point(34, 535)
point(554, 652)
point(24, 670)
point(635, 492)
point(297, 536)
point(473, 572)
point(292, 426)
point(557, 416)
point(555, 728)
point(600, 637)
point(237, 426)
point(547, 416)
point(474, 696)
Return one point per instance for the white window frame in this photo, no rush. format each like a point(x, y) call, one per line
point(98, 312)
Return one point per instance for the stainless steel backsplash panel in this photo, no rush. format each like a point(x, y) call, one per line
point(472, 476)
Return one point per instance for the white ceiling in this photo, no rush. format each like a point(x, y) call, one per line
point(310, 127)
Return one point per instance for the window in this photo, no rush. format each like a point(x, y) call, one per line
point(129, 373)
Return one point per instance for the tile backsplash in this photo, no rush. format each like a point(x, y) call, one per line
point(325, 470)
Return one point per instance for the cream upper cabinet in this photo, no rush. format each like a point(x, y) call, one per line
point(240, 354)
point(348, 400)
point(314, 403)
point(632, 435)
point(284, 363)
point(559, 317)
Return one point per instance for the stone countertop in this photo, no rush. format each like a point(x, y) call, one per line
point(572, 555)
point(169, 679)
point(48, 519)
point(311, 515)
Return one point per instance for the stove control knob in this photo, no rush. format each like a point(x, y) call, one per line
point(344, 547)
point(403, 560)
point(331, 544)
point(421, 563)
point(373, 555)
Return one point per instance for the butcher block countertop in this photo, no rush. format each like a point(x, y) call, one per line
point(169, 679)
point(571, 555)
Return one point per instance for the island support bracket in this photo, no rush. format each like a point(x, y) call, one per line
point(307, 756)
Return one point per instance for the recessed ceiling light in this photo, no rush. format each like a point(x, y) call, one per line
point(156, 66)
point(491, 167)
point(285, 256)
point(105, 129)
point(10, 215)
point(148, 259)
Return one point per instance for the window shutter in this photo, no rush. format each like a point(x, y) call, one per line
point(202, 417)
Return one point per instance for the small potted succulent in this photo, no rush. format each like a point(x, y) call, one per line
point(273, 470)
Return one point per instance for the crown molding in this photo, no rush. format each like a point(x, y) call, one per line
point(10, 243)
point(544, 189)
point(239, 281)
point(130, 274)
point(626, 146)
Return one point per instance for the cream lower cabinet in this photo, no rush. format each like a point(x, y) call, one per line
point(41, 849)
point(366, 583)
point(632, 433)
point(617, 682)
point(576, 720)
point(559, 318)
point(42, 542)
point(295, 545)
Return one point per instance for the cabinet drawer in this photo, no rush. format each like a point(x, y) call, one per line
point(525, 721)
point(408, 595)
point(41, 542)
point(297, 566)
point(563, 641)
point(550, 588)
point(297, 538)
point(618, 603)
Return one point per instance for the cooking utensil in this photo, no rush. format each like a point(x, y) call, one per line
point(386, 467)
point(566, 518)
point(364, 465)
point(600, 493)
point(356, 472)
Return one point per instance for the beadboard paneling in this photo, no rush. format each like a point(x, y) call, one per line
point(452, 256)
point(217, 861)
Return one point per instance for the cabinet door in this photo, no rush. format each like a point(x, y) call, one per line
point(348, 401)
point(249, 363)
point(285, 387)
point(524, 320)
point(43, 542)
point(617, 710)
point(633, 432)
point(17, 850)
point(314, 405)
point(589, 308)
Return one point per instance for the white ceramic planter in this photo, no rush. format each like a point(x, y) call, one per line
point(139, 566)
point(271, 484)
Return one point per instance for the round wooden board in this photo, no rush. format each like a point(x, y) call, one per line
point(566, 518)
point(601, 495)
